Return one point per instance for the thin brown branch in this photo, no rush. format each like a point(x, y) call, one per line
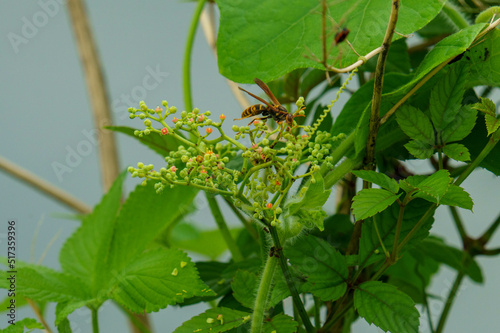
point(44, 186)
point(96, 89)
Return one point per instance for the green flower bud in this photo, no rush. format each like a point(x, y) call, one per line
point(196, 110)
point(208, 113)
point(265, 142)
point(173, 109)
point(183, 114)
point(235, 128)
point(131, 116)
point(147, 132)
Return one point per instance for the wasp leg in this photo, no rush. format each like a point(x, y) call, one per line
point(262, 118)
point(282, 125)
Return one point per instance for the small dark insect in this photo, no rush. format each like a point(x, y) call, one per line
point(276, 111)
point(266, 230)
point(341, 35)
point(272, 251)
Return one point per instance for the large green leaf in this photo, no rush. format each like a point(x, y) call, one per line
point(244, 286)
point(325, 268)
point(289, 29)
point(369, 202)
point(385, 306)
point(20, 325)
point(156, 279)
point(82, 254)
point(446, 97)
point(461, 126)
point(485, 61)
point(214, 320)
point(454, 258)
point(379, 179)
point(415, 124)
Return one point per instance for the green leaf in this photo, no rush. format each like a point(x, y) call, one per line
point(385, 306)
point(491, 119)
point(208, 243)
point(161, 144)
point(64, 326)
point(289, 29)
point(485, 61)
point(457, 151)
point(309, 202)
point(156, 279)
point(452, 257)
point(415, 124)
point(412, 274)
point(378, 178)
point(280, 323)
point(446, 97)
point(456, 196)
point(369, 243)
point(82, 254)
point(369, 202)
point(461, 126)
point(325, 268)
point(214, 320)
point(420, 149)
point(64, 309)
point(244, 285)
point(431, 188)
point(20, 325)
point(43, 284)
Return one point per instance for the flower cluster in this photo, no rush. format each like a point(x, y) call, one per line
point(256, 177)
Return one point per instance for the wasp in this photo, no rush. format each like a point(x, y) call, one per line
point(275, 111)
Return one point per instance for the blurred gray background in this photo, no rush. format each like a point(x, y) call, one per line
point(45, 115)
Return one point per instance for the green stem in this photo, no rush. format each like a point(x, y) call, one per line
point(246, 223)
point(394, 254)
point(263, 295)
point(317, 306)
point(482, 155)
point(440, 158)
point(379, 239)
point(491, 230)
point(458, 223)
point(187, 55)
point(291, 286)
point(341, 170)
point(221, 223)
point(95, 321)
point(417, 226)
point(449, 301)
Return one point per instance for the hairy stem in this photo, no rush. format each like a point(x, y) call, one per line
point(291, 286)
point(263, 293)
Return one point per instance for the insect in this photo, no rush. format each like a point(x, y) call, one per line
point(276, 111)
point(341, 35)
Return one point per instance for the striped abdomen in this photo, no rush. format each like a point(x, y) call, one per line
point(255, 110)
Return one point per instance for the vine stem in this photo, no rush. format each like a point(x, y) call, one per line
point(449, 301)
point(221, 223)
point(263, 294)
point(291, 286)
point(187, 56)
point(95, 321)
point(377, 91)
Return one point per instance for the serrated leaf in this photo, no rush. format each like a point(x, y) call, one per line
point(156, 279)
point(457, 151)
point(369, 202)
point(161, 144)
point(64, 309)
point(20, 325)
point(461, 126)
point(454, 258)
point(415, 124)
point(378, 178)
point(288, 29)
point(280, 323)
point(491, 119)
point(456, 196)
point(64, 326)
point(369, 243)
point(446, 96)
point(244, 285)
point(82, 254)
point(485, 61)
point(420, 149)
point(385, 306)
point(325, 268)
point(434, 186)
point(208, 322)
